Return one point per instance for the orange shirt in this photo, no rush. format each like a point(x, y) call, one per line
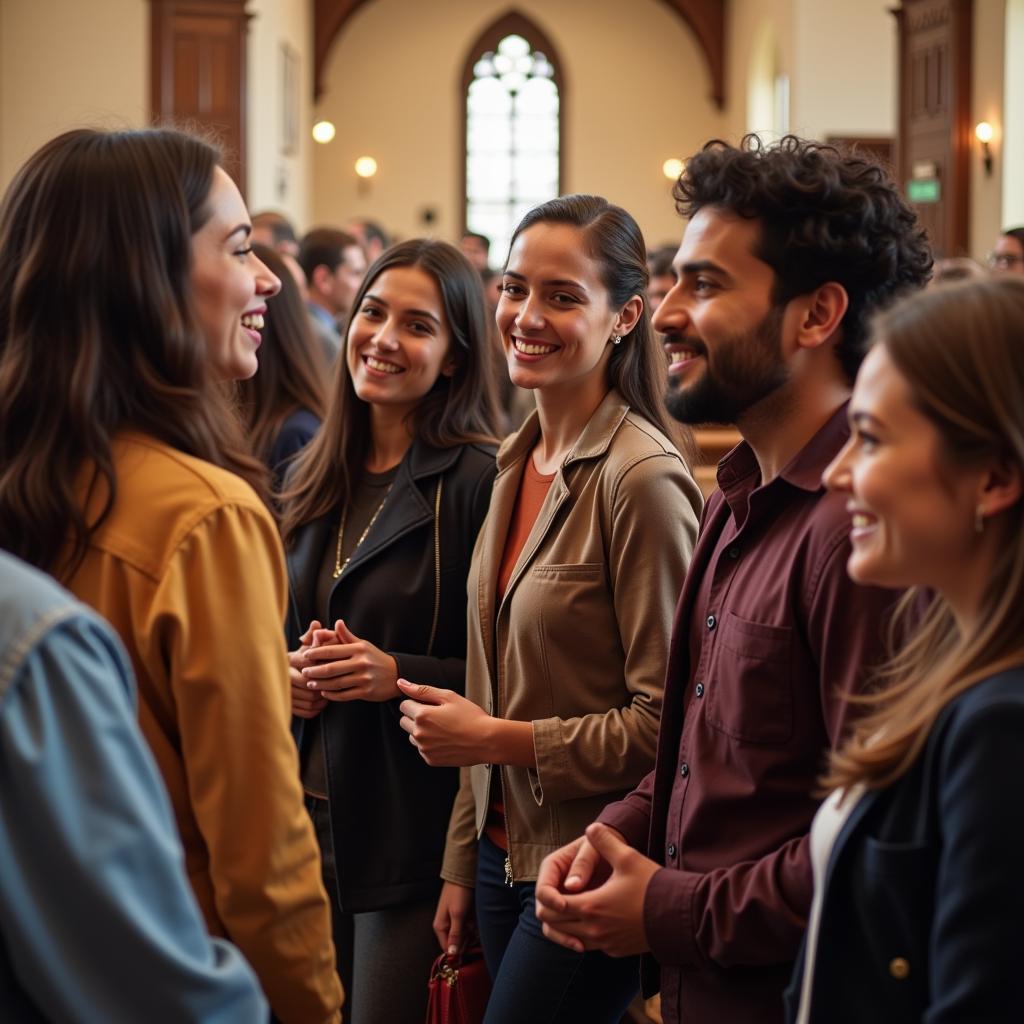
point(533, 489)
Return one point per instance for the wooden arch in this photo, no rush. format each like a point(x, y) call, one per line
point(705, 18)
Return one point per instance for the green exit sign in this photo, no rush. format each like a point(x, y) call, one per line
point(923, 190)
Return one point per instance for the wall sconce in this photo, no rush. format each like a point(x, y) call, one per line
point(983, 132)
point(323, 132)
point(366, 168)
point(672, 168)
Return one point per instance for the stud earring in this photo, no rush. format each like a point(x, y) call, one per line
point(979, 519)
point(616, 338)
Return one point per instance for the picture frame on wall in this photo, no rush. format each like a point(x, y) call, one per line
point(289, 100)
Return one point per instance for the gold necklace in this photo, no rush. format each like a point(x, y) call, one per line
point(339, 565)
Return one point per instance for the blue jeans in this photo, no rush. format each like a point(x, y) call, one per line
point(535, 980)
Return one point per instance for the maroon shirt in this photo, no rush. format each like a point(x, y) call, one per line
point(770, 635)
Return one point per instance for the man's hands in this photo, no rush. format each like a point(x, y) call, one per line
point(590, 894)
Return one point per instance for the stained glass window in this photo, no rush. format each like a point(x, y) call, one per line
point(512, 139)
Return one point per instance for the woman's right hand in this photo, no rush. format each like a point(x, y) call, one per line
point(306, 703)
point(453, 916)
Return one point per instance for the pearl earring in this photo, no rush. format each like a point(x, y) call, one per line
point(616, 338)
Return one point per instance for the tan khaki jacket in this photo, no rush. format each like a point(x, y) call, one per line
point(578, 645)
point(189, 570)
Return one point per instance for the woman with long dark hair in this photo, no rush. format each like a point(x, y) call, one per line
point(128, 296)
point(284, 404)
point(918, 911)
point(379, 518)
point(573, 584)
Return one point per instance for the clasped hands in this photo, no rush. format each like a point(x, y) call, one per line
point(590, 894)
point(335, 665)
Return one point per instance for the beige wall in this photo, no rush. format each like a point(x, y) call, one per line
point(844, 68)
point(1009, 151)
point(839, 57)
point(86, 62)
point(279, 180)
point(65, 63)
point(637, 93)
point(986, 199)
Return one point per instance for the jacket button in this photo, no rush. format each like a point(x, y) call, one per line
point(712, 621)
point(699, 689)
point(684, 769)
point(899, 968)
point(672, 849)
point(733, 552)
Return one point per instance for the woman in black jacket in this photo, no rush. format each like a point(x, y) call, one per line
point(380, 515)
point(918, 855)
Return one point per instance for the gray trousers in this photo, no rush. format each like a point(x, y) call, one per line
point(384, 956)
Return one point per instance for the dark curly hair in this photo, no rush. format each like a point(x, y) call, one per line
point(825, 215)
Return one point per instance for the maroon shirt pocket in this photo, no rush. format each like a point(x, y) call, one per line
point(750, 693)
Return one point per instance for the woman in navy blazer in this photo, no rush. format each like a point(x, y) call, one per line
point(918, 853)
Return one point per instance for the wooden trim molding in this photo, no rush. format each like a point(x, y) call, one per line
point(706, 19)
point(329, 17)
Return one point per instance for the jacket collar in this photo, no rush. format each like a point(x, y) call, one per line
point(405, 509)
point(592, 443)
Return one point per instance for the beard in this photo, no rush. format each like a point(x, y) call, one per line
point(747, 368)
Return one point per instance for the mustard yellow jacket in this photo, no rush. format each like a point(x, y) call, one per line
point(189, 570)
point(578, 646)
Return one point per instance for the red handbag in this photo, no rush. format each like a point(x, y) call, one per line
point(458, 989)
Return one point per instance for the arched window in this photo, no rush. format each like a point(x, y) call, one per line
point(512, 89)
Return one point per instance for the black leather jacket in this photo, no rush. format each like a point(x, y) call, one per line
point(404, 591)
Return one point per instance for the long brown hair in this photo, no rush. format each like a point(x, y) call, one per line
point(97, 332)
point(637, 368)
point(960, 348)
point(457, 410)
point(293, 367)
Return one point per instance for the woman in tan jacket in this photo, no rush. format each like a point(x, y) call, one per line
point(128, 294)
point(572, 589)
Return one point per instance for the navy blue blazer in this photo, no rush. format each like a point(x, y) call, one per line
point(923, 915)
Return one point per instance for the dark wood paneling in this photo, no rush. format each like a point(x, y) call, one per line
point(935, 111)
point(199, 71)
point(706, 18)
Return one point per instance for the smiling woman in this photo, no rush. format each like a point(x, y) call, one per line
point(380, 514)
point(574, 581)
point(230, 283)
point(121, 472)
point(917, 852)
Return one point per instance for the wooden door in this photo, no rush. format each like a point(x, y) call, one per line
point(934, 116)
point(199, 71)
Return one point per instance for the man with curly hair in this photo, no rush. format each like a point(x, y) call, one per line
point(789, 250)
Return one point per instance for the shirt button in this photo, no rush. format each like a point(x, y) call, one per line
point(733, 552)
point(699, 689)
point(684, 769)
point(671, 849)
point(712, 621)
point(899, 968)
